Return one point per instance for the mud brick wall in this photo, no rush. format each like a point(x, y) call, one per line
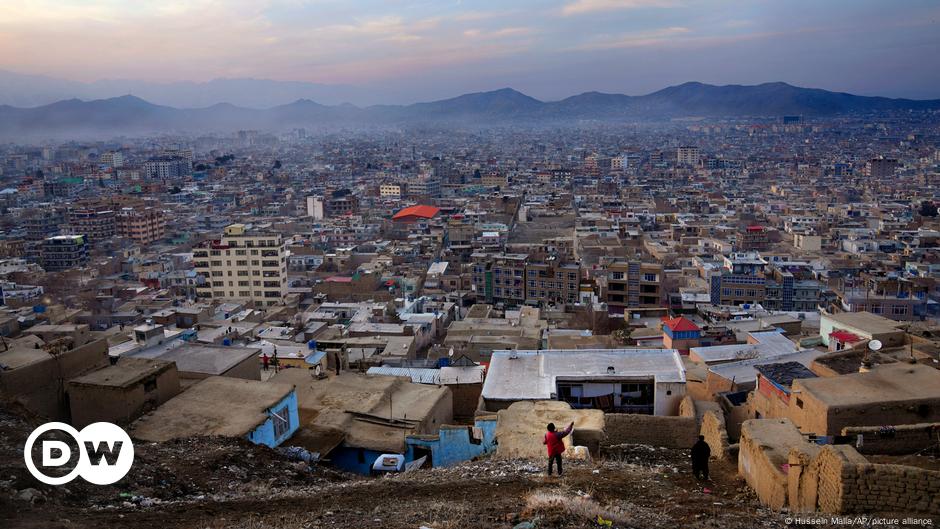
point(760, 473)
point(671, 432)
point(870, 487)
point(906, 438)
point(716, 435)
point(815, 481)
point(838, 480)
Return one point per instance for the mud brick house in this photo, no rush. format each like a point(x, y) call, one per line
point(898, 393)
point(262, 412)
point(122, 392)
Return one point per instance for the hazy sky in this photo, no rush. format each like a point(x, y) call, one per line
point(548, 49)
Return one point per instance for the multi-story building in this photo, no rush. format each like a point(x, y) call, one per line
point(494, 179)
point(515, 279)
point(113, 159)
point(552, 282)
point(753, 237)
point(168, 167)
point(315, 207)
point(424, 186)
point(499, 278)
point(245, 265)
point(340, 205)
point(391, 190)
point(96, 221)
point(880, 167)
point(686, 155)
point(45, 223)
point(633, 285)
point(143, 225)
point(64, 252)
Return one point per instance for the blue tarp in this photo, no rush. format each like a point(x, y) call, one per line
point(315, 357)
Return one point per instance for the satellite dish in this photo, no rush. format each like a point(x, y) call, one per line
point(875, 345)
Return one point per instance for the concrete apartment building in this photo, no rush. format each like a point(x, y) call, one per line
point(688, 155)
point(391, 190)
point(514, 279)
point(633, 285)
point(96, 220)
point(499, 278)
point(551, 281)
point(64, 252)
point(143, 225)
point(245, 265)
point(880, 167)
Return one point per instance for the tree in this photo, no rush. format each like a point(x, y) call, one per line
point(277, 164)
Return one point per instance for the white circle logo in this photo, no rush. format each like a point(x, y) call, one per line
point(105, 453)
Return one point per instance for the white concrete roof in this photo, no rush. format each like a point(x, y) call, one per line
point(522, 375)
point(438, 268)
point(770, 344)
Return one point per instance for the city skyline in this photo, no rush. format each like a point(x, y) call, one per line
point(406, 52)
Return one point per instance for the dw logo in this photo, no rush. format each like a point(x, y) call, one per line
point(105, 453)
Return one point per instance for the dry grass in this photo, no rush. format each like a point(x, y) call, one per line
point(554, 505)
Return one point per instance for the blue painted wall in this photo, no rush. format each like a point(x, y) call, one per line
point(452, 444)
point(349, 459)
point(264, 433)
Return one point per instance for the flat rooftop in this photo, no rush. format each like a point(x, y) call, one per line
point(127, 372)
point(230, 407)
point(889, 383)
point(864, 321)
point(201, 358)
point(17, 358)
point(769, 344)
point(531, 375)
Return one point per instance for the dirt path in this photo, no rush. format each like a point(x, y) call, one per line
point(473, 495)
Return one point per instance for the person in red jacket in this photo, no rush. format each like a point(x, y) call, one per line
point(555, 444)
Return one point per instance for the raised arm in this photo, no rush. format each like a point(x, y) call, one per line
point(567, 430)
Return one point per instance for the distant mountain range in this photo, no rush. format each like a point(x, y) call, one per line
point(130, 115)
point(22, 90)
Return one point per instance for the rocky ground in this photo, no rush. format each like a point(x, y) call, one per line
point(224, 483)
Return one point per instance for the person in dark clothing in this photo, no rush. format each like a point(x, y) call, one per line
point(700, 454)
point(556, 445)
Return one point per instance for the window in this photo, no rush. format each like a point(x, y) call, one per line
point(281, 418)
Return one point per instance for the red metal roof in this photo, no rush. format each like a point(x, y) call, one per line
point(755, 228)
point(845, 336)
point(680, 324)
point(425, 212)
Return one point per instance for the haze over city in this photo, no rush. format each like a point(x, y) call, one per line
point(404, 52)
point(549, 264)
